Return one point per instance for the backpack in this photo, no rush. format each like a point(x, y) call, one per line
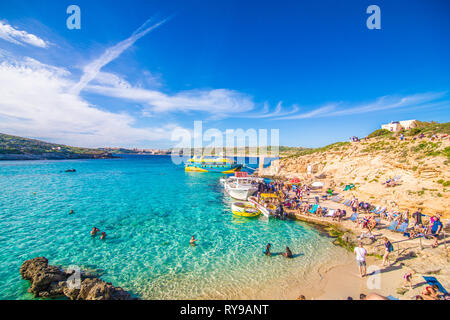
point(391, 247)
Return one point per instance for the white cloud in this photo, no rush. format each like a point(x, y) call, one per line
point(92, 69)
point(11, 34)
point(380, 104)
point(222, 101)
point(35, 103)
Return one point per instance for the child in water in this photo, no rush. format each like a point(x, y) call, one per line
point(192, 242)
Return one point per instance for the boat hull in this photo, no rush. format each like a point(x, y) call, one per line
point(211, 168)
point(241, 194)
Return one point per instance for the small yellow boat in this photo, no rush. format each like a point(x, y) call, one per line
point(244, 210)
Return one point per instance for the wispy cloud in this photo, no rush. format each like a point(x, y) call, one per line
point(380, 104)
point(35, 102)
point(92, 69)
point(20, 37)
point(222, 101)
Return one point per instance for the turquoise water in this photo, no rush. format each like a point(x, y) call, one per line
point(149, 209)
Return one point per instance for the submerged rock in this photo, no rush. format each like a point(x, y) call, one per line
point(52, 282)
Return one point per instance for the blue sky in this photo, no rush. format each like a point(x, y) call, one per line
point(311, 69)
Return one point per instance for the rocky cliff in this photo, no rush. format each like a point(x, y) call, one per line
point(419, 161)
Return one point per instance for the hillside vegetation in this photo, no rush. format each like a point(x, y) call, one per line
point(13, 147)
point(421, 160)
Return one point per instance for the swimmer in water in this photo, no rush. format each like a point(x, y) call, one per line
point(103, 236)
point(94, 231)
point(288, 253)
point(71, 212)
point(192, 242)
point(267, 250)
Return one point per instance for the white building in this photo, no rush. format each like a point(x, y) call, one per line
point(395, 126)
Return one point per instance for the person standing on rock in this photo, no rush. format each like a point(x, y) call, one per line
point(388, 248)
point(361, 253)
point(418, 216)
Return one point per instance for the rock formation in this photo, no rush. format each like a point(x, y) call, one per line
point(52, 282)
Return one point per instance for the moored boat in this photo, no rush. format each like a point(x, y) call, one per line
point(241, 186)
point(212, 164)
point(244, 210)
point(264, 205)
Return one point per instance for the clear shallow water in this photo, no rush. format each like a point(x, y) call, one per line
point(149, 209)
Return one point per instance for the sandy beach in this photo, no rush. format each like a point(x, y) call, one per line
point(342, 279)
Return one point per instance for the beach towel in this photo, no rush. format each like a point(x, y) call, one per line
point(392, 298)
point(432, 280)
point(393, 225)
point(330, 213)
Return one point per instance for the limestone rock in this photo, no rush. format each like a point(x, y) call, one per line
point(51, 282)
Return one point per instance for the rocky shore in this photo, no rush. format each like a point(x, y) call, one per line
point(47, 281)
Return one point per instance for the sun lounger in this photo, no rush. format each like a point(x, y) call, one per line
point(402, 227)
point(393, 225)
point(433, 281)
point(346, 202)
point(375, 210)
point(314, 208)
point(354, 217)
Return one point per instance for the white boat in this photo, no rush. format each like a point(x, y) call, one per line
point(241, 185)
point(241, 188)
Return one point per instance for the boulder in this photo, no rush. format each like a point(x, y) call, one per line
point(44, 279)
point(52, 282)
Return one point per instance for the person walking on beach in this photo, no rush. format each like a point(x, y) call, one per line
point(388, 248)
point(361, 253)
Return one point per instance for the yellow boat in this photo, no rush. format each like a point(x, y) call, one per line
point(244, 210)
point(214, 164)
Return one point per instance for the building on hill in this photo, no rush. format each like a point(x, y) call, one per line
point(396, 126)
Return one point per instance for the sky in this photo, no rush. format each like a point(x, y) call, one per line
point(139, 71)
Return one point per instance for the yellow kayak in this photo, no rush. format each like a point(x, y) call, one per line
point(244, 210)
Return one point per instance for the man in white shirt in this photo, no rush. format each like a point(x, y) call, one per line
point(361, 253)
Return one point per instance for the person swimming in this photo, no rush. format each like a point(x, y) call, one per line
point(94, 231)
point(266, 251)
point(192, 242)
point(71, 212)
point(103, 236)
point(288, 253)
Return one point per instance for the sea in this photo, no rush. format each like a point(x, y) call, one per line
point(149, 207)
